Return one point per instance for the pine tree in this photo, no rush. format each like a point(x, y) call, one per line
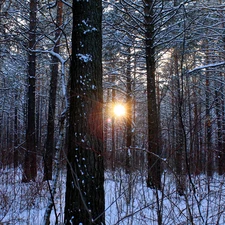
point(85, 170)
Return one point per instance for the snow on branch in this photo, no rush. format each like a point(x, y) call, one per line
point(58, 56)
point(63, 62)
point(66, 3)
point(206, 67)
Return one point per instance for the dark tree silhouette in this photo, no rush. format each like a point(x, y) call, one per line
point(30, 167)
point(85, 170)
point(52, 98)
point(154, 171)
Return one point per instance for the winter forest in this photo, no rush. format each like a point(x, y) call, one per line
point(112, 112)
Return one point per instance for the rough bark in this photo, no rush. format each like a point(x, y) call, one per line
point(154, 170)
point(30, 168)
point(85, 169)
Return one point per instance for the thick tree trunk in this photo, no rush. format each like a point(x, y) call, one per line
point(30, 167)
point(154, 170)
point(85, 169)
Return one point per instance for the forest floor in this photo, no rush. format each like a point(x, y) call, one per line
point(127, 200)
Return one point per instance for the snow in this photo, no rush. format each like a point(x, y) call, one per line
point(25, 203)
point(89, 27)
point(90, 30)
point(84, 57)
point(206, 67)
point(127, 199)
point(85, 23)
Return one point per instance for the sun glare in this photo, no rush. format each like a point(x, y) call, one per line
point(119, 110)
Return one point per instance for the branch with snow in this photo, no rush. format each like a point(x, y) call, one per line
point(206, 67)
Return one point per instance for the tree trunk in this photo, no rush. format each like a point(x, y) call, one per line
point(218, 107)
point(154, 170)
point(129, 113)
point(222, 153)
point(30, 167)
point(197, 150)
point(16, 152)
point(208, 126)
point(180, 135)
point(113, 77)
point(221, 129)
point(52, 99)
point(85, 169)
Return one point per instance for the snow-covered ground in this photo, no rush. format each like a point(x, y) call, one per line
point(128, 200)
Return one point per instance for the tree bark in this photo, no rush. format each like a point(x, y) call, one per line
point(208, 125)
point(113, 78)
point(154, 170)
point(85, 169)
point(52, 99)
point(129, 113)
point(30, 168)
point(16, 152)
point(180, 134)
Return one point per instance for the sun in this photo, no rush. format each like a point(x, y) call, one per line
point(119, 110)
